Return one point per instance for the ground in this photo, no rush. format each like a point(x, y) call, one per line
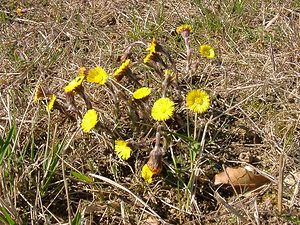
point(54, 173)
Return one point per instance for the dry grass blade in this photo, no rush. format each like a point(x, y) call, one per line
point(280, 182)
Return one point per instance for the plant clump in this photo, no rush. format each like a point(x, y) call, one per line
point(138, 102)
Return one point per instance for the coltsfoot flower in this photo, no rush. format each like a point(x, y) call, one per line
point(122, 149)
point(81, 71)
point(152, 46)
point(184, 27)
point(152, 51)
point(51, 102)
point(89, 120)
point(122, 70)
point(38, 94)
point(20, 12)
point(97, 75)
point(74, 84)
point(207, 51)
point(141, 93)
point(153, 166)
point(198, 101)
point(149, 57)
point(162, 109)
point(77, 82)
point(147, 174)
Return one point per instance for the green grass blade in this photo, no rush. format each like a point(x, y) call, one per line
point(7, 217)
point(77, 219)
point(52, 164)
point(4, 144)
point(81, 177)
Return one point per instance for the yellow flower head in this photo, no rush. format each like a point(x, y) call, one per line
point(51, 102)
point(152, 46)
point(121, 71)
point(97, 75)
point(81, 71)
point(19, 12)
point(162, 109)
point(39, 93)
point(198, 101)
point(147, 174)
point(152, 51)
point(122, 149)
point(207, 51)
point(77, 81)
point(149, 57)
point(74, 84)
point(141, 93)
point(184, 27)
point(89, 120)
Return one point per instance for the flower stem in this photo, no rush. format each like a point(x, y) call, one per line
point(195, 126)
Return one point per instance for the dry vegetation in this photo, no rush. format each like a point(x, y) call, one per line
point(53, 173)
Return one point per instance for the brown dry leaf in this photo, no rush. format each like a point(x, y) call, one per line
point(240, 177)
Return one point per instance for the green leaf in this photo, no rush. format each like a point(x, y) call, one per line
point(77, 219)
point(7, 218)
point(81, 177)
point(4, 144)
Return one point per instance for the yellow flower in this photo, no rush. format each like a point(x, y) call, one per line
point(152, 51)
point(150, 56)
point(89, 120)
point(77, 81)
point(141, 93)
point(147, 174)
point(198, 101)
point(39, 93)
point(184, 27)
point(122, 149)
point(81, 71)
point(207, 51)
point(19, 12)
point(152, 46)
point(74, 83)
point(162, 109)
point(120, 72)
point(97, 75)
point(51, 103)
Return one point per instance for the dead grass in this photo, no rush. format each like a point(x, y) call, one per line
point(50, 170)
